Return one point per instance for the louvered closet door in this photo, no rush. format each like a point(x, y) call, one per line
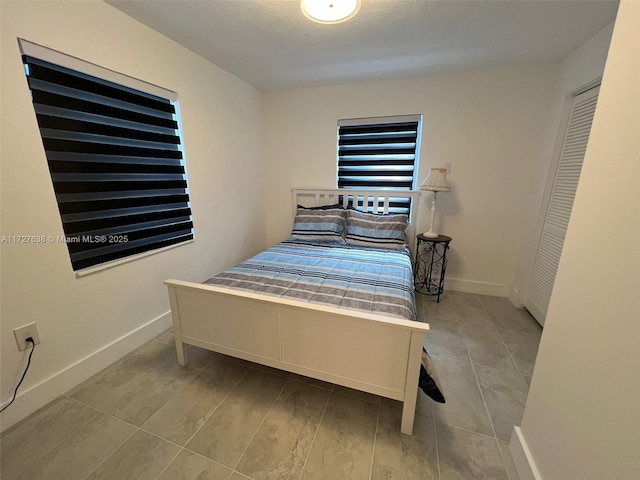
point(561, 203)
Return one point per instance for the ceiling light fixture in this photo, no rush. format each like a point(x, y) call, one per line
point(329, 11)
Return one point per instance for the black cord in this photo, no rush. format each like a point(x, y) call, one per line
point(33, 347)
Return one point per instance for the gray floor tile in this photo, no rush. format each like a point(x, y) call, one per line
point(25, 444)
point(231, 402)
point(143, 400)
point(532, 325)
point(228, 432)
point(166, 337)
point(142, 457)
point(523, 347)
point(508, 460)
point(464, 406)
point(486, 348)
point(230, 359)
point(271, 370)
point(430, 308)
point(199, 357)
point(424, 404)
point(202, 358)
point(467, 455)
point(504, 315)
point(343, 446)
point(311, 381)
point(505, 394)
point(398, 456)
point(239, 476)
point(469, 309)
point(366, 396)
point(28, 418)
point(189, 466)
point(179, 418)
point(82, 452)
point(445, 340)
point(116, 380)
point(280, 447)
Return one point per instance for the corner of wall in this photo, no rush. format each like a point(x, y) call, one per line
point(515, 298)
point(522, 458)
point(47, 390)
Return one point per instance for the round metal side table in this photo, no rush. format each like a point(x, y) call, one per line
point(430, 264)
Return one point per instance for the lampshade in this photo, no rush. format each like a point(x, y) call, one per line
point(436, 181)
point(329, 11)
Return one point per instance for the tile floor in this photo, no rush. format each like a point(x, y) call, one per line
point(146, 418)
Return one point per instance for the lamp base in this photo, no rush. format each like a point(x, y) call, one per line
point(431, 235)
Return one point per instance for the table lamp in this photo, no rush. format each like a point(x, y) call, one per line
point(435, 182)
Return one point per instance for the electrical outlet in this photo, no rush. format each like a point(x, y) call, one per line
point(24, 332)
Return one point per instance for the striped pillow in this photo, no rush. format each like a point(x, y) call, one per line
point(376, 230)
point(319, 225)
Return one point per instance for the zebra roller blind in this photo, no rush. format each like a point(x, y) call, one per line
point(379, 153)
point(116, 162)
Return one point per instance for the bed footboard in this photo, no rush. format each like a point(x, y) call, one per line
point(368, 352)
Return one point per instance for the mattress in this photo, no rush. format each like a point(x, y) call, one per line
point(372, 280)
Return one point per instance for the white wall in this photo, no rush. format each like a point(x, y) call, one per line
point(582, 67)
point(581, 418)
point(487, 124)
point(86, 323)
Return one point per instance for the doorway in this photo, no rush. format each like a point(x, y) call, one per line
point(558, 211)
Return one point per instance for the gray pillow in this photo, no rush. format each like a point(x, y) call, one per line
point(319, 224)
point(376, 230)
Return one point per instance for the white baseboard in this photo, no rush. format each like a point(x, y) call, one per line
point(42, 393)
point(522, 458)
point(479, 288)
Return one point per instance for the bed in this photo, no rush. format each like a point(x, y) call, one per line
point(376, 350)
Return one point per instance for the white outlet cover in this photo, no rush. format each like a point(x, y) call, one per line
point(22, 333)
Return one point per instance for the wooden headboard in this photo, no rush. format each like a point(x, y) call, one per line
point(374, 201)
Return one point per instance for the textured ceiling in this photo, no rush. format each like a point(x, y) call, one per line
point(273, 46)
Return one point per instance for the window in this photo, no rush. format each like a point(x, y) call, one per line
point(115, 159)
point(380, 153)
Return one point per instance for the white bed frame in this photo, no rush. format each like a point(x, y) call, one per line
point(364, 351)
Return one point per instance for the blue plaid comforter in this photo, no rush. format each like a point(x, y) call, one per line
point(367, 279)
